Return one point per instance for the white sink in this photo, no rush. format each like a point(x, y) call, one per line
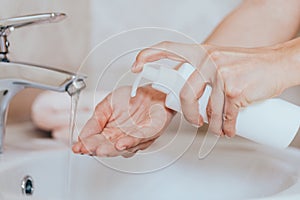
point(236, 169)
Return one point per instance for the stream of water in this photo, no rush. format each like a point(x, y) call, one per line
point(72, 139)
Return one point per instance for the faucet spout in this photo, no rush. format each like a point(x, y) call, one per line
point(16, 76)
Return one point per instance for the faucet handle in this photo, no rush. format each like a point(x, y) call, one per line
point(9, 24)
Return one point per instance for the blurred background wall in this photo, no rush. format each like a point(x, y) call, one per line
point(66, 44)
point(62, 45)
point(91, 22)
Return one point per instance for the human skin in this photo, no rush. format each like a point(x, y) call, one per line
point(254, 23)
point(138, 121)
point(238, 76)
point(258, 23)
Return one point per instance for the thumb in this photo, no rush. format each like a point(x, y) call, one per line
point(98, 121)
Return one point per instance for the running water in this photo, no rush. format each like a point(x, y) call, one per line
point(74, 102)
point(72, 140)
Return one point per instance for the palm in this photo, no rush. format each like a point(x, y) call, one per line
point(122, 124)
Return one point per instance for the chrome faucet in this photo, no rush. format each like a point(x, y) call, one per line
point(15, 76)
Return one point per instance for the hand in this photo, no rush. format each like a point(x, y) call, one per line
point(238, 77)
point(122, 125)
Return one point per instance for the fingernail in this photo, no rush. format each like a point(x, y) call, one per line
point(121, 147)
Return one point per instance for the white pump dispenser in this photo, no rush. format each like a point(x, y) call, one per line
point(273, 122)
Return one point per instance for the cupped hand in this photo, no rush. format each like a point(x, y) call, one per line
point(122, 125)
point(238, 77)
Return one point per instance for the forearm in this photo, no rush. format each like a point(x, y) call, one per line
point(258, 23)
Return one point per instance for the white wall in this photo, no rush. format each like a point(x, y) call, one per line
point(194, 18)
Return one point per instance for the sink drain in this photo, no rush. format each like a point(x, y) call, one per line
point(27, 185)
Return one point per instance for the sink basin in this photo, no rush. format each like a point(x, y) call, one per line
point(236, 169)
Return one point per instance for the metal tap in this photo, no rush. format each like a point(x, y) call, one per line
point(15, 76)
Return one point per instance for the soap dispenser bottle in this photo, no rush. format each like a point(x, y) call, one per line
point(273, 122)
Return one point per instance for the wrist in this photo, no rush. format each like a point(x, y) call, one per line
point(291, 69)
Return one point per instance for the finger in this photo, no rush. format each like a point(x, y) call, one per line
point(90, 144)
point(141, 146)
point(189, 96)
point(96, 145)
point(208, 110)
point(97, 122)
point(216, 107)
point(171, 50)
point(100, 144)
point(128, 154)
point(131, 152)
point(107, 149)
point(76, 148)
point(231, 111)
point(133, 139)
point(127, 142)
